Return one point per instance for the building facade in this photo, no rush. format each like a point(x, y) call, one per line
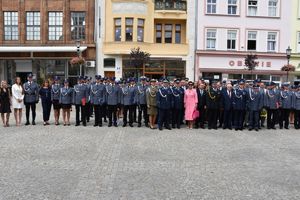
point(163, 28)
point(229, 30)
point(295, 37)
point(39, 37)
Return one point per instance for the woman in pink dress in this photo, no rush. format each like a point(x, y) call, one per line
point(190, 104)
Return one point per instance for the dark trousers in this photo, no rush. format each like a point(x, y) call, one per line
point(31, 106)
point(131, 110)
point(80, 109)
point(254, 119)
point(239, 116)
point(163, 118)
point(99, 112)
point(105, 112)
point(297, 119)
point(284, 117)
point(143, 110)
point(87, 111)
point(221, 117)
point(271, 118)
point(46, 110)
point(227, 116)
point(112, 114)
point(200, 120)
point(212, 117)
point(176, 117)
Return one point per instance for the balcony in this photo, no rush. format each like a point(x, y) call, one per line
point(178, 5)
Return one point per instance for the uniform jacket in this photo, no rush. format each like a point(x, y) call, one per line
point(164, 98)
point(80, 93)
point(271, 99)
point(255, 100)
point(239, 99)
point(66, 95)
point(285, 99)
point(141, 94)
point(178, 97)
point(151, 94)
point(213, 99)
point(55, 91)
point(31, 92)
point(128, 95)
point(98, 94)
point(113, 94)
point(296, 100)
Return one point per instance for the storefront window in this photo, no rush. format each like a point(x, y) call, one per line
point(264, 77)
point(49, 68)
point(234, 76)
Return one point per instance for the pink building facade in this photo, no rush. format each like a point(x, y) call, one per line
point(228, 30)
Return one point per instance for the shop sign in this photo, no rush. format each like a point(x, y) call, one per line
point(240, 63)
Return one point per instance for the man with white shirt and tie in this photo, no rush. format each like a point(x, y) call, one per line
point(31, 98)
point(201, 93)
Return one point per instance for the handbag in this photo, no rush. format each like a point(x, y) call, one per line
point(196, 114)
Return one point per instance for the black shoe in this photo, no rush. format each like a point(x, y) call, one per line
point(96, 125)
point(286, 127)
point(169, 128)
point(124, 125)
point(273, 128)
point(256, 129)
point(115, 125)
point(27, 123)
point(236, 129)
point(147, 125)
point(100, 125)
point(250, 129)
point(130, 125)
point(109, 125)
point(105, 120)
point(160, 128)
point(281, 127)
point(84, 124)
point(77, 124)
point(139, 125)
point(209, 128)
point(230, 128)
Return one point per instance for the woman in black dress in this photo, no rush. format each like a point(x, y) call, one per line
point(5, 103)
point(45, 94)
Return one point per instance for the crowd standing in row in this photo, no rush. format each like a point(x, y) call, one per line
point(227, 105)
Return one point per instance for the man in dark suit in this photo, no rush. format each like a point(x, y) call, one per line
point(227, 106)
point(201, 93)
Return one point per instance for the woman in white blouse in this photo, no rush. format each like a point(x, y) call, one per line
point(17, 100)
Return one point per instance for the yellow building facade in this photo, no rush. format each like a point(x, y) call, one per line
point(295, 38)
point(159, 27)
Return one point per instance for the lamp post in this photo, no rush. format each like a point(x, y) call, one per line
point(79, 55)
point(288, 56)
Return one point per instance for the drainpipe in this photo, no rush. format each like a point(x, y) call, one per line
point(196, 40)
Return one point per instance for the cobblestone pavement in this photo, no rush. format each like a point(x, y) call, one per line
point(57, 162)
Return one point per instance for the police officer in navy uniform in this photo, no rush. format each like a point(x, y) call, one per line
point(55, 94)
point(141, 101)
point(98, 97)
point(213, 103)
point(128, 98)
point(296, 106)
point(178, 105)
point(285, 105)
point(80, 97)
point(271, 102)
point(105, 83)
point(113, 101)
point(239, 105)
point(254, 105)
point(87, 83)
point(164, 100)
point(31, 98)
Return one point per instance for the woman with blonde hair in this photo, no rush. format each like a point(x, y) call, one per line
point(18, 100)
point(5, 103)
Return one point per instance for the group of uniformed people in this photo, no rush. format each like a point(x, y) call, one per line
point(228, 105)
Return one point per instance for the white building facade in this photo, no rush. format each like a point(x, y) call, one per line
point(228, 30)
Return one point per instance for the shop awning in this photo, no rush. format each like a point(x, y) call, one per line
point(41, 48)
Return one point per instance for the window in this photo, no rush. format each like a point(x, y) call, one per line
point(78, 25)
point(118, 29)
point(168, 33)
point(272, 41)
point(251, 44)
point(273, 8)
point(11, 31)
point(140, 34)
point(231, 39)
point(211, 6)
point(252, 7)
point(109, 62)
point(33, 30)
point(55, 26)
point(129, 29)
point(177, 33)
point(232, 7)
point(158, 33)
point(298, 42)
point(211, 38)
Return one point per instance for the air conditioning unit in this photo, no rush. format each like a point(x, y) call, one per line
point(90, 63)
